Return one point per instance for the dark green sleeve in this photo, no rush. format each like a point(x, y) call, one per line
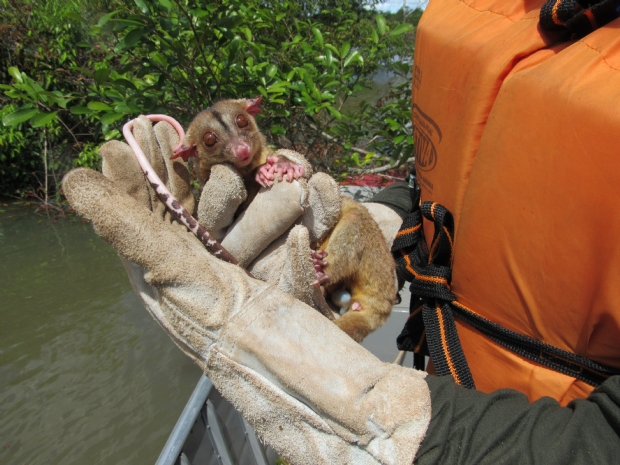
point(470, 427)
point(397, 197)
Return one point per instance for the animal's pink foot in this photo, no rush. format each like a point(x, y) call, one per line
point(279, 168)
point(356, 307)
point(318, 260)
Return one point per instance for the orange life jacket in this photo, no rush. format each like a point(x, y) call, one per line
point(517, 133)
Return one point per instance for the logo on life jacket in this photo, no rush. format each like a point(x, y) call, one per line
point(426, 133)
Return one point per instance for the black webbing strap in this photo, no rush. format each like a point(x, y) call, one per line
point(430, 325)
point(580, 17)
point(430, 328)
point(570, 364)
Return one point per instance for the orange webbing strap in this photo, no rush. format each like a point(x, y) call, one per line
point(430, 327)
point(431, 324)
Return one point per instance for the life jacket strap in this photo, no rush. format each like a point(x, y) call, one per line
point(579, 17)
point(431, 329)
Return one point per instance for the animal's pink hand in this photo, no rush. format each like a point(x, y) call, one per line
point(318, 260)
point(279, 168)
point(264, 175)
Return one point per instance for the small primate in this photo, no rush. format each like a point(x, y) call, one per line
point(227, 133)
point(359, 259)
point(360, 262)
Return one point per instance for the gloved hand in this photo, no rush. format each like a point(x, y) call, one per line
point(308, 389)
point(263, 238)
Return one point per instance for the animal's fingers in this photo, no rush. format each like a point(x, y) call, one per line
point(319, 254)
point(320, 278)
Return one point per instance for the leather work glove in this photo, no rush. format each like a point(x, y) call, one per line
point(272, 236)
point(308, 389)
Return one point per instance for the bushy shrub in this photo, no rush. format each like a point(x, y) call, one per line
point(306, 58)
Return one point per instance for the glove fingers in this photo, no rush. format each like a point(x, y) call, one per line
point(220, 198)
point(120, 165)
point(271, 213)
point(145, 136)
point(298, 273)
point(324, 200)
point(178, 174)
point(204, 288)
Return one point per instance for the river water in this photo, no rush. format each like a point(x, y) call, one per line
point(86, 375)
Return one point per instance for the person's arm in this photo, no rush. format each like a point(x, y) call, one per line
point(470, 427)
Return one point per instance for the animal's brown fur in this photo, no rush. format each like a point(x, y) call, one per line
point(222, 152)
point(358, 259)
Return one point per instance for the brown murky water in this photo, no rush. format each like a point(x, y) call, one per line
point(86, 375)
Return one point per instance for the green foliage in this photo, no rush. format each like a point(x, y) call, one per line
point(101, 64)
point(89, 157)
point(17, 165)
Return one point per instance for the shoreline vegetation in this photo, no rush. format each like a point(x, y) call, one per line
point(73, 72)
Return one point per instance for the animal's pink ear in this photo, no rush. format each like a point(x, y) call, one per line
point(184, 151)
point(252, 105)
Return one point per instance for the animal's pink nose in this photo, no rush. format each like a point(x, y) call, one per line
point(242, 152)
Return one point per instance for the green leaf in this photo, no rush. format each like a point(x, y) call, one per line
point(166, 4)
point(80, 110)
point(318, 36)
point(124, 83)
point(98, 106)
point(280, 16)
point(112, 134)
point(105, 18)
point(401, 29)
point(345, 49)
point(399, 139)
point(278, 87)
point(394, 126)
point(329, 58)
point(122, 108)
point(234, 47)
point(133, 37)
point(248, 33)
point(62, 102)
point(13, 71)
point(271, 71)
point(19, 116)
point(375, 36)
point(102, 75)
point(278, 130)
point(143, 6)
point(353, 56)
point(111, 117)
point(334, 112)
point(42, 119)
point(332, 48)
point(380, 24)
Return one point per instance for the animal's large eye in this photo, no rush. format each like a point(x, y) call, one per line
point(210, 139)
point(241, 121)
